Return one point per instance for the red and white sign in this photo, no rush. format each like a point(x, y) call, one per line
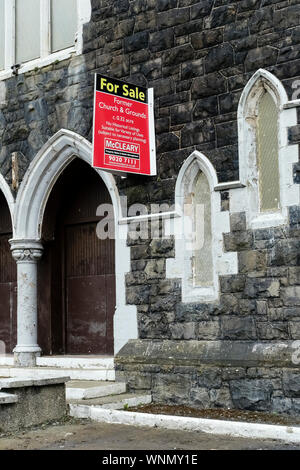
point(124, 137)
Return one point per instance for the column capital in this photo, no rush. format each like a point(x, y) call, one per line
point(26, 251)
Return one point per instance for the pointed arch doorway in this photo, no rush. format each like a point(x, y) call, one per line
point(8, 281)
point(76, 275)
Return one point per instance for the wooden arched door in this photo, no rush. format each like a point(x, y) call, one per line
point(77, 272)
point(8, 281)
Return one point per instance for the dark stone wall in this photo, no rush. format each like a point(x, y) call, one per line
point(258, 376)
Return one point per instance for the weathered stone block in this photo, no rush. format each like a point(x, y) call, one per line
point(200, 397)
point(238, 222)
point(238, 241)
point(291, 383)
point(177, 55)
point(260, 57)
point(208, 330)
point(219, 58)
point(161, 40)
point(252, 261)
point(272, 331)
point(185, 330)
point(171, 388)
point(291, 295)
point(294, 327)
point(173, 17)
point(251, 394)
point(238, 328)
point(201, 9)
point(136, 42)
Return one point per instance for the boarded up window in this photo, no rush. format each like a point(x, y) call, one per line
point(2, 46)
point(27, 30)
point(203, 260)
point(64, 24)
point(268, 164)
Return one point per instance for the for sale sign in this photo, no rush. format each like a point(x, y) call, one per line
point(124, 138)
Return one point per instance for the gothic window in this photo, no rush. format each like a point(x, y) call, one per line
point(202, 253)
point(267, 154)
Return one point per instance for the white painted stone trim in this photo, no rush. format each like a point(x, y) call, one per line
point(209, 426)
point(84, 10)
point(74, 374)
point(4, 187)
point(247, 199)
point(181, 265)
point(97, 391)
point(291, 104)
point(68, 362)
point(117, 403)
point(31, 201)
point(8, 398)
point(32, 381)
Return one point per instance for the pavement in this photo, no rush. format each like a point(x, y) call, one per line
point(87, 435)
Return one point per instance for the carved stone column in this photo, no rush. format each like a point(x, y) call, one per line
point(27, 254)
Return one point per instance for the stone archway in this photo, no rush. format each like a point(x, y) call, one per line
point(27, 248)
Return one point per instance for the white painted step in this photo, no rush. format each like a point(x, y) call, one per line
point(74, 374)
point(83, 408)
point(83, 390)
point(6, 398)
point(73, 362)
point(6, 360)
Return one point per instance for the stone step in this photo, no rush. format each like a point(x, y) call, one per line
point(74, 374)
point(82, 408)
point(73, 362)
point(84, 389)
point(7, 398)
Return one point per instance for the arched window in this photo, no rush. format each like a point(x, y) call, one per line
point(268, 153)
point(265, 157)
point(198, 229)
point(202, 253)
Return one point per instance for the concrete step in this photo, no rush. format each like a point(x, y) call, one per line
point(74, 374)
point(84, 389)
point(7, 398)
point(73, 362)
point(6, 360)
point(82, 408)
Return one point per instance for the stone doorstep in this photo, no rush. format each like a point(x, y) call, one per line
point(70, 362)
point(83, 389)
point(73, 374)
point(66, 362)
point(6, 398)
point(82, 408)
point(13, 382)
point(103, 414)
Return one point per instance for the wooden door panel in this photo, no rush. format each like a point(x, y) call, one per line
point(8, 318)
point(5, 315)
point(86, 315)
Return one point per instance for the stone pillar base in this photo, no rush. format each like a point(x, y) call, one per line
point(26, 357)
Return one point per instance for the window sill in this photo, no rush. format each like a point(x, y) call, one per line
point(268, 220)
point(40, 62)
point(191, 294)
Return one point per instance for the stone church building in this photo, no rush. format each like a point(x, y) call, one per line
point(211, 323)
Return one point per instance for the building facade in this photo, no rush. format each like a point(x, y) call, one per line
point(202, 308)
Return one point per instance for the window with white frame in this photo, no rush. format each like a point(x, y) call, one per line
point(198, 229)
point(265, 157)
point(36, 31)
